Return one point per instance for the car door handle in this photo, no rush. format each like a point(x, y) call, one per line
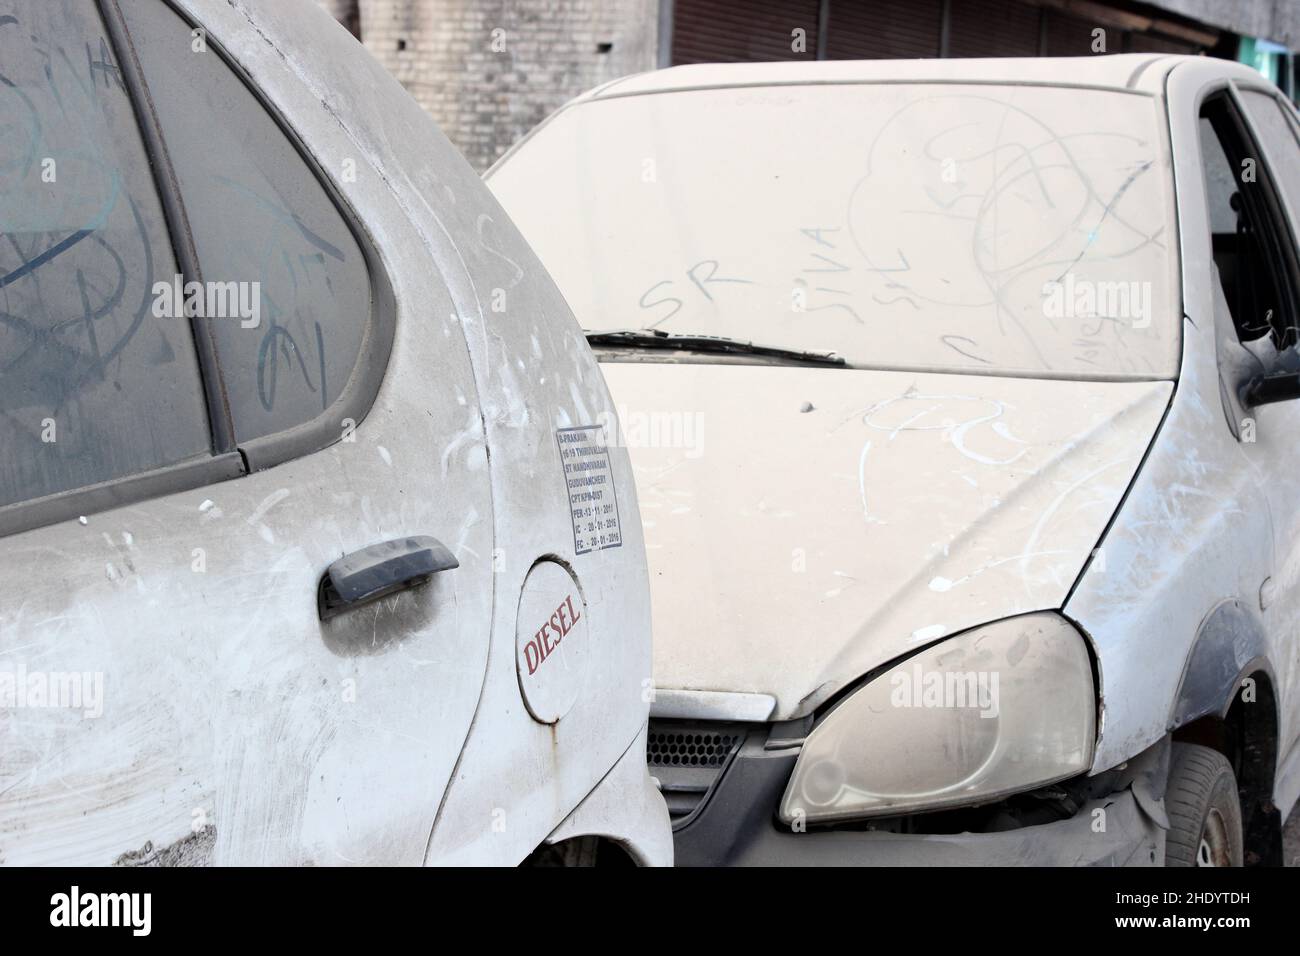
point(379, 570)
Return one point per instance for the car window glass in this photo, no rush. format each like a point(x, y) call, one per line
point(261, 220)
point(1277, 136)
point(1247, 240)
point(93, 385)
point(1220, 181)
point(990, 228)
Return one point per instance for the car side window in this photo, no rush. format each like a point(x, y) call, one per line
point(1252, 243)
point(93, 386)
point(1276, 131)
point(1220, 182)
point(264, 228)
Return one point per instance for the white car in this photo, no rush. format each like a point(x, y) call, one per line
point(959, 395)
point(312, 548)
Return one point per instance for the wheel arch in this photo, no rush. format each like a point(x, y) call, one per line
point(1227, 700)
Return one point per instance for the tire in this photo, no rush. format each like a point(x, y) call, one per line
point(1203, 808)
point(581, 851)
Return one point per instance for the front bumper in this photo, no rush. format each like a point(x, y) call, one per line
point(735, 824)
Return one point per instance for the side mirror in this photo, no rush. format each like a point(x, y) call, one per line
point(1267, 389)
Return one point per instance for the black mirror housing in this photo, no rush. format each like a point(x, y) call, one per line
point(1268, 389)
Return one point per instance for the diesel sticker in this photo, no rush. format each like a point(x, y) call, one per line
point(539, 647)
point(593, 505)
point(551, 653)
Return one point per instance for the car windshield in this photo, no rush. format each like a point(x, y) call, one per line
point(1005, 229)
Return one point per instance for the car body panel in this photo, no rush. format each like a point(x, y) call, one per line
point(1199, 521)
point(835, 519)
point(536, 375)
point(234, 718)
point(1211, 518)
point(1142, 72)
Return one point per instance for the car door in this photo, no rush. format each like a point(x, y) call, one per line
point(1252, 163)
point(178, 473)
point(1276, 134)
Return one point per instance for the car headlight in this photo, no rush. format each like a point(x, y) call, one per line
point(992, 711)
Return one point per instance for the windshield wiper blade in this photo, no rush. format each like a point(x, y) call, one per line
point(658, 339)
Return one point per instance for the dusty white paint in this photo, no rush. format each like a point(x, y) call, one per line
point(1210, 518)
point(842, 517)
point(393, 734)
point(777, 530)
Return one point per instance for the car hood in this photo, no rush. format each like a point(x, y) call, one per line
point(806, 525)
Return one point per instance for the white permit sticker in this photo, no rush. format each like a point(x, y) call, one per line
point(593, 505)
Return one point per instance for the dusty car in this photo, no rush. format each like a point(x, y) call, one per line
point(313, 549)
point(960, 395)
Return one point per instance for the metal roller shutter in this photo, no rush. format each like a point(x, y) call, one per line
point(993, 28)
point(1070, 36)
point(728, 31)
point(883, 29)
point(1146, 43)
point(709, 31)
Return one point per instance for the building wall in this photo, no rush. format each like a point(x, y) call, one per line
point(1276, 20)
point(489, 70)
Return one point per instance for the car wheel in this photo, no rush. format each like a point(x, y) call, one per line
point(1204, 813)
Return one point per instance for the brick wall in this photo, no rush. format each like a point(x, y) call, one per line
point(490, 70)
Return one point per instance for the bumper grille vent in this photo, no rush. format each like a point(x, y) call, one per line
point(688, 757)
point(673, 748)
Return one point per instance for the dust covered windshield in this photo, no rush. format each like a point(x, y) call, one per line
point(965, 227)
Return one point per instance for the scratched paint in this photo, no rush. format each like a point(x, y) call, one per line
point(939, 230)
point(854, 529)
point(230, 710)
point(951, 227)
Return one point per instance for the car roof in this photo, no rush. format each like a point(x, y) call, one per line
point(1138, 72)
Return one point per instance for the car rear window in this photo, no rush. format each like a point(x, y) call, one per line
point(261, 220)
point(965, 227)
point(94, 386)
